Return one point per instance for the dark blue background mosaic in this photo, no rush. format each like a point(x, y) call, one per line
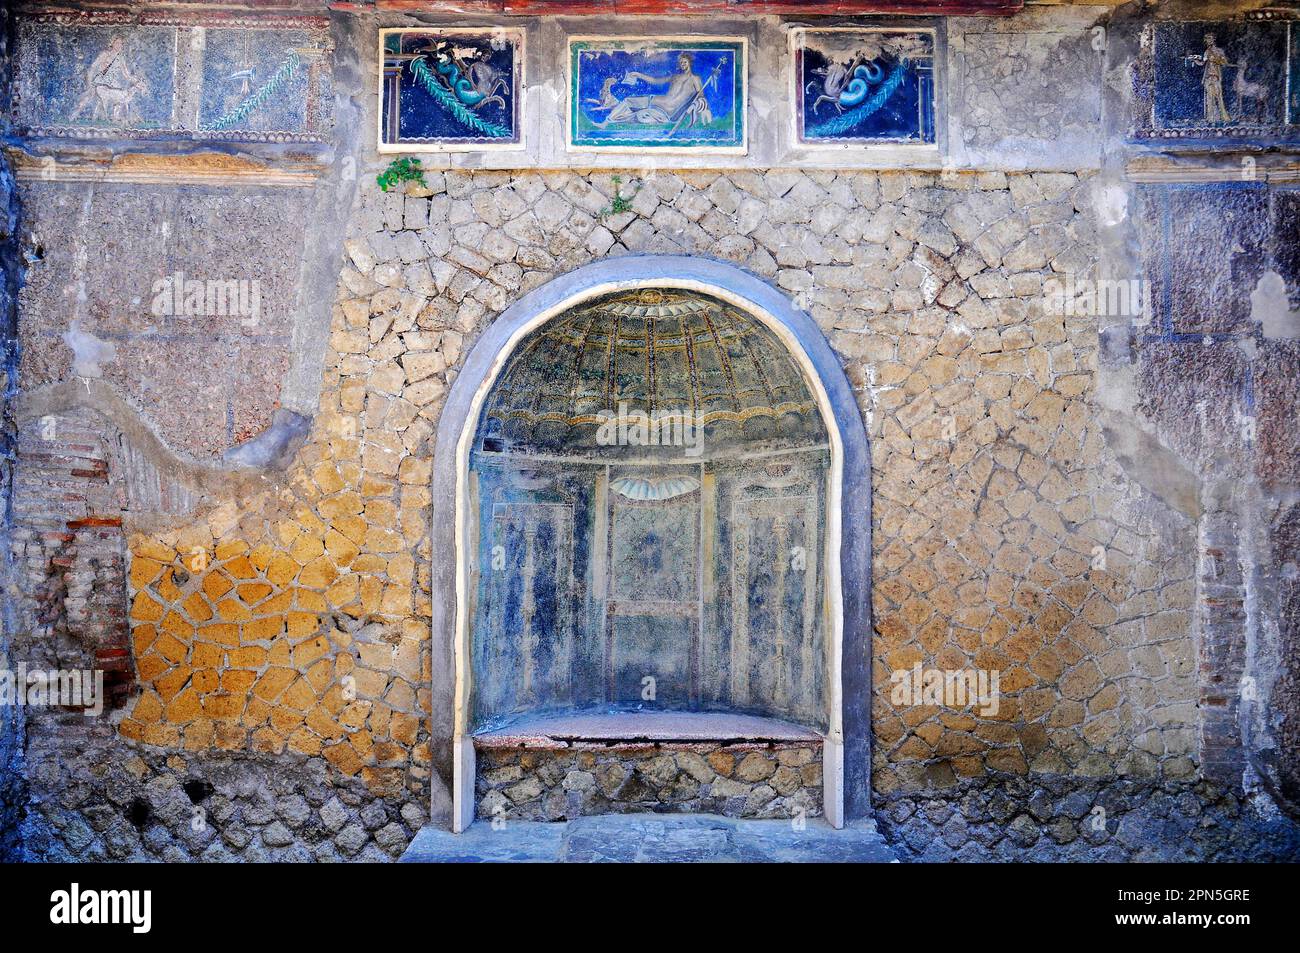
point(1294, 72)
point(94, 80)
point(847, 94)
point(1253, 80)
point(138, 88)
point(438, 97)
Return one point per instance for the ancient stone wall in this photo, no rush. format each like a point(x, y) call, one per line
point(295, 622)
point(733, 780)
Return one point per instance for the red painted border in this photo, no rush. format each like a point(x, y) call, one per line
point(734, 8)
point(699, 7)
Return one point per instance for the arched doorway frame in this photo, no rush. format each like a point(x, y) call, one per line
point(847, 751)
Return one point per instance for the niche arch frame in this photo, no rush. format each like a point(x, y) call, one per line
point(847, 750)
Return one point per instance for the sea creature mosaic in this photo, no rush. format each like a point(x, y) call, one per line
point(450, 88)
point(863, 86)
point(167, 76)
point(657, 94)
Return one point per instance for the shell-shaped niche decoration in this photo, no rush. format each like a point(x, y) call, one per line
point(653, 489)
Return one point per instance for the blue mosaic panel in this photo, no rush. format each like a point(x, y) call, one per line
point(1293, 110)
point(451, 88)
point(1220, 79)
point(257, 80)
point(96, 79)
point(864, 86)
point(216, 76)
point(650, 93)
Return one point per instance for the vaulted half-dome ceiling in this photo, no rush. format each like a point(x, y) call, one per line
point(664, 354)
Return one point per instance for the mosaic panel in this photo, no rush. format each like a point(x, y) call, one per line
point(863, 86)
point(259, 81)
point(117, 75)
point(657, 94)
point(451, 89)
point(1218, 80)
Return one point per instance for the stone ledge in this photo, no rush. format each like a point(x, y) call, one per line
point(642, 729)
point(653, 839)
point(214, 169)
point(1252, 165)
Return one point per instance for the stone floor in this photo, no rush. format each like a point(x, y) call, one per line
point(652, 838)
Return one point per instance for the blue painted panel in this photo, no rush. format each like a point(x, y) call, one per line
point(256, 80)
point(651, 646)
point(1205, 250)
point(91, 77)
point(1215, 77)
point(199, 79)
point(451, 87)
point(656, 94)
point(1293, 71)
point(864, 86)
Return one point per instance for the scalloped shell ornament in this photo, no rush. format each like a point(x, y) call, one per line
point(654, 489)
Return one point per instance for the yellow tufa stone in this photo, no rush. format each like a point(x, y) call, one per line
point(251, 593)
point(281, 570)
point(216, 585)
point(144, 571)
point(184, 707)
point(196, 607)
point(318, 573)
point(144, 608)
point(232, 610)
point(262, 630)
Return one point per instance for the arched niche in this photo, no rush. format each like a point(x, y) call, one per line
point(523, 481)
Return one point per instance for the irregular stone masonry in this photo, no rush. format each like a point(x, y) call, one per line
point(739, 780)
point(1102, 510)
point(1006, 536)
point(106, 802)
point(238, 657)
point(296, 620)
point(1056, 819)
point(71, 561)
point(1222, 648)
